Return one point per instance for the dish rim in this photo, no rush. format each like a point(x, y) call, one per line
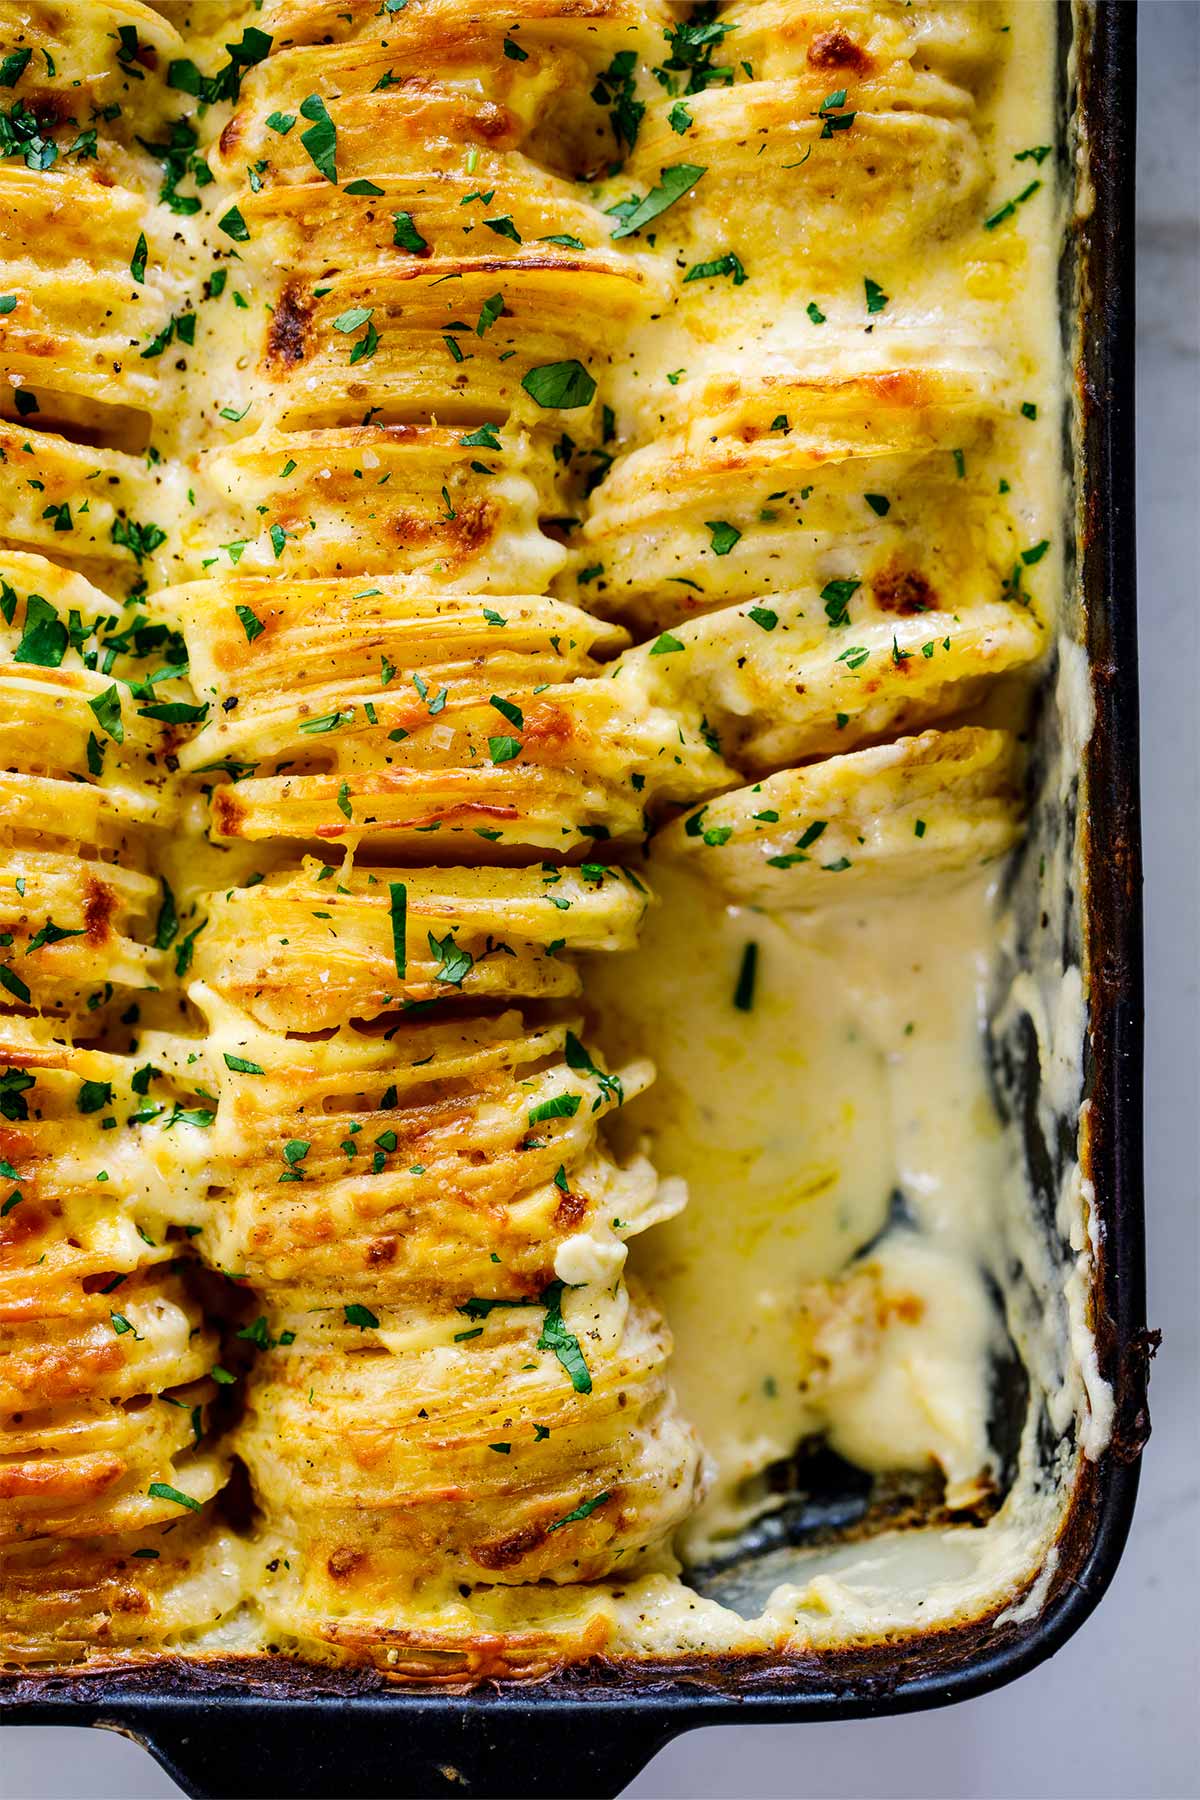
point(602, 1721)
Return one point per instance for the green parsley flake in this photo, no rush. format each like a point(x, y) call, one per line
point(674, 183)
point(320, 140)
point(560, 384)
point(398, 910)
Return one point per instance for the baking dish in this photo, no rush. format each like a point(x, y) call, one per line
point(288, 1728)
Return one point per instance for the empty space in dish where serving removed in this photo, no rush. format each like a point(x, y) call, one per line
point(540, 987)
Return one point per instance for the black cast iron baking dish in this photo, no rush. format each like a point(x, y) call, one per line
point(271, 1727)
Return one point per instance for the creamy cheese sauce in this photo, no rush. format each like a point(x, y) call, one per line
point(850, 1189)
point(838, 1205)
point(852, 1088)
point(842, 1117)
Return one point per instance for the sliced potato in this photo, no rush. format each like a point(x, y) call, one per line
point(309, 948)
point(865, 825)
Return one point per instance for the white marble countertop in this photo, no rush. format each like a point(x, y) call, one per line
point(1115, 1716)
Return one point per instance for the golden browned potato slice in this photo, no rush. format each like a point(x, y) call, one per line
point(319, 229)
point(425, 778)
point(86, 1356)
point(402, 500)
point(797, 685)
point(432, 75)
point(845, 43)
point(429, 1161)
point(453, 337)
point(802, 477)
point(101, 512)
point(109, 1151)
point(491, 1444)
point(335, 640)
point(85, 766)
point(85, 58)
point(869, 824)
point(74, 933)
point(66, 244)
point(105, 1355)
point(379, 714)
point(63, 1600)
point(915, 176)
point(584, 21)
point(311, 947)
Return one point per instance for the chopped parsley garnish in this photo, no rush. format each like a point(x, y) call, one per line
point(14, 66)
point(1010, 206)
point(140, 540)
point(234, 226)
point(226, 83)
point(12, 982)
point(560, 384)
point(252, 625)
point(483, 439)
point(168, 924)
point(93, 1096)
point(743, 993)
point(326, 722)
point(583, 1511)
point(508, 711)
point(674, 182)
point(832, 118)
point(727, 264)
point(837, 596)
point(107, 708)
point(398, 911)
point(565, 1345)
point(50, 933)
point(581, 1063)
point(693, 42)
point(45, 638)
point(489, 312)
point(320, 140)
point(454, 963)
point(562, 1106)
point(724, 536)
point(162, 1490)
point(616, 88)
point(405, 235)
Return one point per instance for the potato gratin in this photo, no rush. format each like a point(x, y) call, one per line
point(529, 535)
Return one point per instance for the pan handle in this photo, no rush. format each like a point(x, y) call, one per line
point(460, 1752)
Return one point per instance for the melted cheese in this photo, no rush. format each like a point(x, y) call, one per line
point(513, 530)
